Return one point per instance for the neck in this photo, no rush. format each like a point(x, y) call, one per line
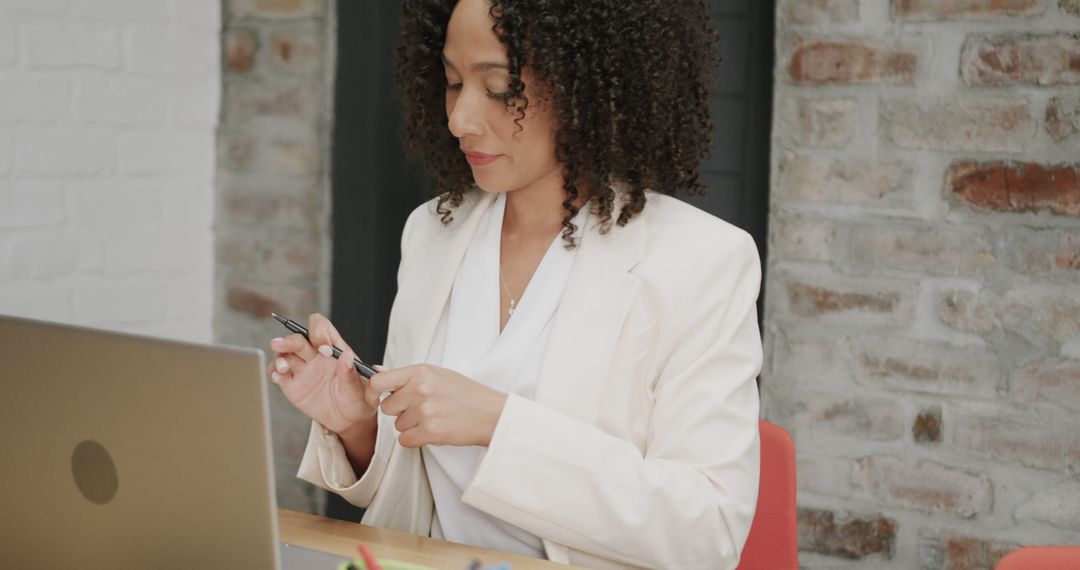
point(537, 209)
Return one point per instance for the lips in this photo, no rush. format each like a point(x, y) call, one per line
point(479, 158)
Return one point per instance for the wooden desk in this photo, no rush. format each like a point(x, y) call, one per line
point(340, 537)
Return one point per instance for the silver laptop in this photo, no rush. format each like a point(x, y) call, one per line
point(121, 451)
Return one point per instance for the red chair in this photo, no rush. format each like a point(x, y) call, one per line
point(773, 543)
point(1041, 558)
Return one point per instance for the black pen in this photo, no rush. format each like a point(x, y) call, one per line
point(364, 370)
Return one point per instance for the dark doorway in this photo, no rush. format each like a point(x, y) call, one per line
point(375, 187)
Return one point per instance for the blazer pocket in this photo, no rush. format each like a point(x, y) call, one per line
point(634, 346)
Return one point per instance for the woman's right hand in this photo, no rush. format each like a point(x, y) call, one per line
point(328, 391)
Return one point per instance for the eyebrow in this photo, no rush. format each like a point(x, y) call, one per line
point(481, 66)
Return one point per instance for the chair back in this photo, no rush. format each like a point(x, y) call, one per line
point(773, 543)
point(1042, 558)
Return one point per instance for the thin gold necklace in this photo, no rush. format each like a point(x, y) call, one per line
point(513, 300)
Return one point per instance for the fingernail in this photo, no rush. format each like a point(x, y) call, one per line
point(281, 365)
point(325, 350)
point(276, 377)
point(276, 339)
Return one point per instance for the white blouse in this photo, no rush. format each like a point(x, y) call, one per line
point(467, 340)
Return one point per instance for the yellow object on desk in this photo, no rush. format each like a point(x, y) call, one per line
point(341, 538)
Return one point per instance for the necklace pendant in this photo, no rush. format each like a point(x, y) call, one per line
point(510, 311)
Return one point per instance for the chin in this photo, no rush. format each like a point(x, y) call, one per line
point(490, 186)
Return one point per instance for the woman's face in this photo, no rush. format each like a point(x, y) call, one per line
point(502, 155)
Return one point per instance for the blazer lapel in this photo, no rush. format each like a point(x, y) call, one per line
point(426, 287)
point(598, 294)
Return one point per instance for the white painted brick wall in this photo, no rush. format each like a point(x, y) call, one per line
point(108, 112)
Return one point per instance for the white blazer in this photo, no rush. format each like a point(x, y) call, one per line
point(640, 448)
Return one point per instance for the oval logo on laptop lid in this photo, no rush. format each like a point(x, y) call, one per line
point(94, 472)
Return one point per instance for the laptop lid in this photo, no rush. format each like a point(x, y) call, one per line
point(121, 451)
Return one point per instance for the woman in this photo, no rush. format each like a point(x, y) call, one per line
point(571, 357)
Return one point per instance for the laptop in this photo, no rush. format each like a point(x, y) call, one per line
point(124, 451)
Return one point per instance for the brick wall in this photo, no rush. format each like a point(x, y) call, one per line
point(272, 231)
point(923, 303)
point(107, 116)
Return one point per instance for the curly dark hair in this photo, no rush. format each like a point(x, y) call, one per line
point(629, 82)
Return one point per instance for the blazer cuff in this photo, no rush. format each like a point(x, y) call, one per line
point(326, 465)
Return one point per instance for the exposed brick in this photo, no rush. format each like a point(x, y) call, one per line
point(255, 300)
point(927, 426)
point(842, 415)
point(1013, 59)
point(803, 238)
point(1040, 315)
point(1046, 254)
point(924, 367)
point(938, 250)
point(864, 61)
point(992, 124)
point(1058, 506)
point(1070, 7)
point(253, 303)
point(1030, 442)
point(236, 149)
point(825, 122)
point(809, 300)
point(845, 181)
point(923, 485)
point(938, 10)
point(849, 301)
point(276, 101)
point(802, 355)
point(240, 47)
point(292, 154)
point(277, 9)
point(295, 51)
point(949, 550)
point(251, 210)
point(1016, 186)
point(967, 311)
point(1044, 314)
point(806, 12)
point(297, 260)
point(1055, 381)
point(846, 535)
point(1063, 117)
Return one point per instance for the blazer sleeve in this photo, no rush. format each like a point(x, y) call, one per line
point(689, 499)
point(324, 462)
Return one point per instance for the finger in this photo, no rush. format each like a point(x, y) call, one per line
point(281, 379)
point(288, 362)
point(394, 404)
point(407, 420)
point(295, 343)
point(391, 380)
point(414, 437)
point(322, 331)
point(344, 367)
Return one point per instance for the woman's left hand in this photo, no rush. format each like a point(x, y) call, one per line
point(437, 406)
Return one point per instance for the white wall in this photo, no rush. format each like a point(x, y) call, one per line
point(108, 110)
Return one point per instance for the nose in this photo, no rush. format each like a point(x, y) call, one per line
point(463, 113)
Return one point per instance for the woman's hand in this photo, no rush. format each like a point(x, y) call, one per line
point(327, 390)
point(437, 406)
